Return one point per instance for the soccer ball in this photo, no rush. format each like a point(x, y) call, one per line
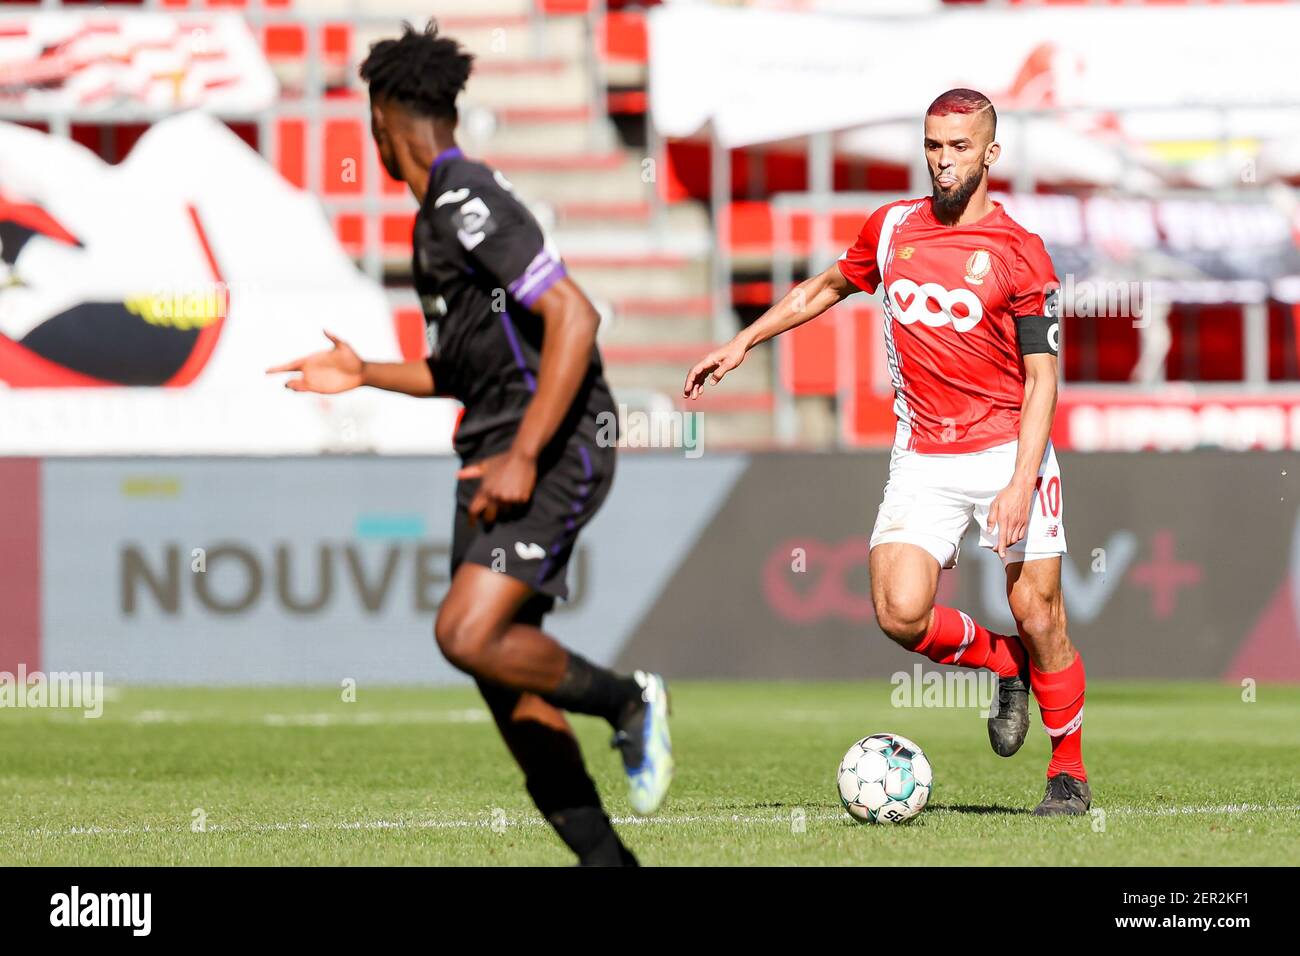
point(884, 778)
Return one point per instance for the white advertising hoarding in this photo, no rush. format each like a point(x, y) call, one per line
point(140, 305)
point(764, 75)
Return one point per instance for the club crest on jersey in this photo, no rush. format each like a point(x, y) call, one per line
point(978, 266)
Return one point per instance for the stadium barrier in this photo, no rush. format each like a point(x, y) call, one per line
point(284, 571)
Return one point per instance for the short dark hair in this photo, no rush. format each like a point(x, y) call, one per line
point(963, 101)
point(421, 70)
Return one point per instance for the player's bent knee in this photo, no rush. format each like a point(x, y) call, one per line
point(905, 621)
point(461, 642)
point(1041, 620)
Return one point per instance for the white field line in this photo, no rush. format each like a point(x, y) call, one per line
point(488, 822)
point(323, 719)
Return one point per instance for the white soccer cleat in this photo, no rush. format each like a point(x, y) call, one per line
point(646, 746)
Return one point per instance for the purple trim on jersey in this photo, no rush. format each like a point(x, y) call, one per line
point(452, 153)
point(584, 492)
point(519, 355)
point(543, 272)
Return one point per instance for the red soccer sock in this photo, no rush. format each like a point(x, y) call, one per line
point(954, 638)
point(1060, 700)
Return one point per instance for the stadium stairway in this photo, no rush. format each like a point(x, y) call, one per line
point(534, 108)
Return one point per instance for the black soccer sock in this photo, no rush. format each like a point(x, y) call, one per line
point(558, 782)
point(568, 800)
point(588, 833)
point(588, 689)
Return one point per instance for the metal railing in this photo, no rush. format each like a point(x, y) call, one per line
point(1155, 336)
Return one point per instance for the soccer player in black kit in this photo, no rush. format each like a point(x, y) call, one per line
point(514, 339)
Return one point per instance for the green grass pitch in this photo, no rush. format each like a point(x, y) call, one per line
point(1184, 774)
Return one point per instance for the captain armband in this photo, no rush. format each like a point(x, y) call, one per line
point(1041, 333)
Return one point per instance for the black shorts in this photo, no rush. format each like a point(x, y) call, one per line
point(533, 543)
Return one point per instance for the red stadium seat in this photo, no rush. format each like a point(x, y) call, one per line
point(561, 7)
point(627, 101)
point(753, 232)
point(625, 37)
point(290, 150)
point(343, 153)
point(396, 234)
point(1206, 344)
point(350, 228)
point(808, 359)
point(1283, 341)
point(409, 323)
point(284, 41)
point(336, 43)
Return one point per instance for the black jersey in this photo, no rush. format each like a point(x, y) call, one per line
point(480, 263)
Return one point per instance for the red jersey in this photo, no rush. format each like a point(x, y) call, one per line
point(952, 295)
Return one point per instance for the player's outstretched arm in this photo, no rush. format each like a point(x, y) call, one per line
point(340, 369)
point(801, 304)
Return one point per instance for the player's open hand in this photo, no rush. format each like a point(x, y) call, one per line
point(716, 365)
point(334, 370)
point(507, 483)
point(1009, 514)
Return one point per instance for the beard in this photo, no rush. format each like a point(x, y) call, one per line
point(951, 204)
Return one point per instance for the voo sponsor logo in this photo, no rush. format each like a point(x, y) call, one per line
point(933, 305)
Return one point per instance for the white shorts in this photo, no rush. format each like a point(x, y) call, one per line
point(930, 500)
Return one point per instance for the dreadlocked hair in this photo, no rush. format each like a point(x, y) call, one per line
point(421, 70)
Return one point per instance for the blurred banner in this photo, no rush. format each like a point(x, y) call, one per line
point(131, 63)
point(140, 305)
point(1177, 420)
point(728, 566)
point(292, 571)
point(1187, 249)
point(760, 76)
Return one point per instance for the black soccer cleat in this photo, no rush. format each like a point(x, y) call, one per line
point(1010, 722)
point(1066, 796)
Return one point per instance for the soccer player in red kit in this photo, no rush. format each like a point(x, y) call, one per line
point(972, 314)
